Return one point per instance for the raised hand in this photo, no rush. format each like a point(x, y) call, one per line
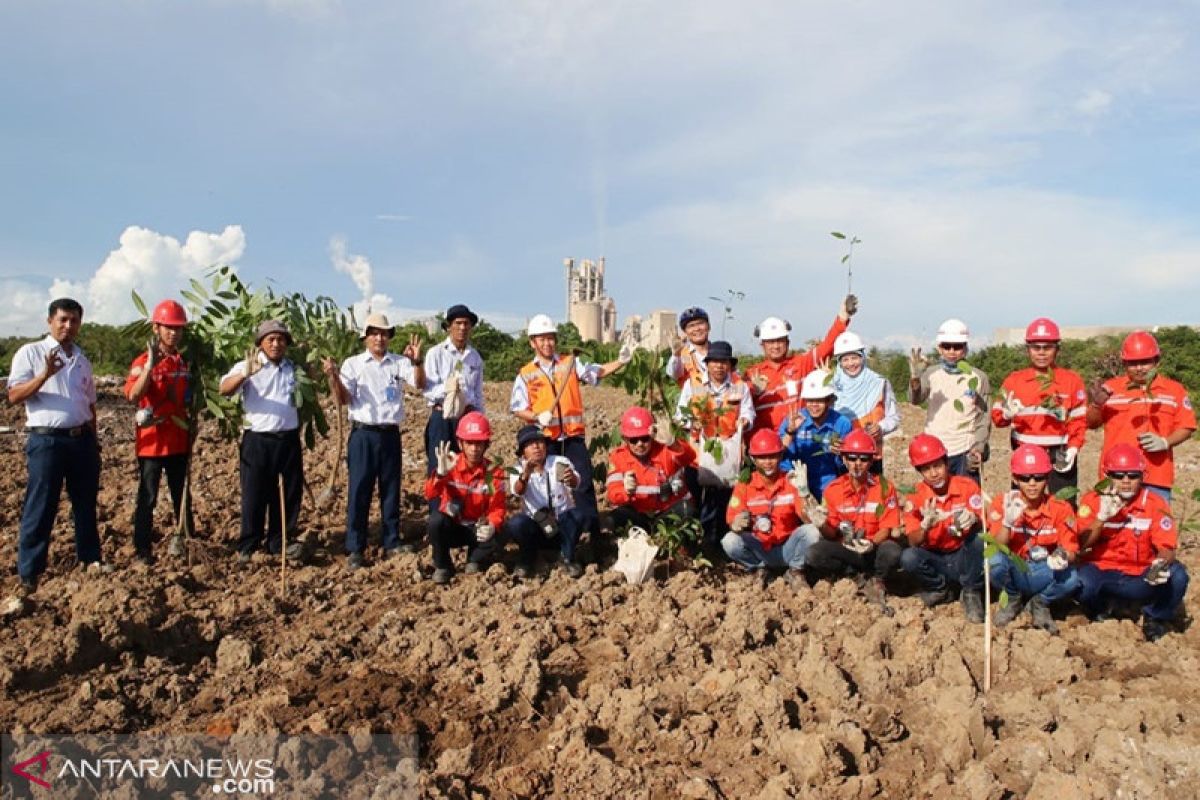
point(412, 350)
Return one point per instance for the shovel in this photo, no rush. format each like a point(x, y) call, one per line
point(325, 498)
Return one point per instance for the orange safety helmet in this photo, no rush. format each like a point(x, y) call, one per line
point(925, 449)
point(474, 427)
point(765, 442)
point(168, 312)
point(1042, 329)
point(1139, 346)
point(1123, 458)
point(1029, 459)
point(858, 441)
point(636, 422)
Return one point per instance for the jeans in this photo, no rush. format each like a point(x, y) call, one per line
point(746, 549)
point(957, 465)
point(437, 430)
point(1102, 585)
point(52, 460)
point(372, 460)
point(827, 557)
point(445, 533)
point(531, 538)
point(265, 457)
point(150, 470)
point(1162, 491)
point(932, 569)
point(712, 502)
point(1039, 580)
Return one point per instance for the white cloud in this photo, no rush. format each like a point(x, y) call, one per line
point(393, 217)
point(356, 266)
point(1094, 103)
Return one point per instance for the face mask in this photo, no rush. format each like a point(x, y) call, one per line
point(1127, 496)
point(938, 485)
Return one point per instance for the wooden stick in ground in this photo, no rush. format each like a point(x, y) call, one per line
point(987, 628)
point(184, 504)
point(283, 545)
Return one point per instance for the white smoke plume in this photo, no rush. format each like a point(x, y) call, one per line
point(356, 266)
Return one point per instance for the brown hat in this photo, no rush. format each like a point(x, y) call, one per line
point(379, 322)
point(269, 326)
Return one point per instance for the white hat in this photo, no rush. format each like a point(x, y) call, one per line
point(379, 322)
point(848, 342)
point(540, 324)
point(818, 385)
point(952, 331)
point(772, 328)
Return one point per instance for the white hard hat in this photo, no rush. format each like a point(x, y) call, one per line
point(818, 385)
point(772, 328)
point(848, 342)
point(952, 331)
point(539, 324)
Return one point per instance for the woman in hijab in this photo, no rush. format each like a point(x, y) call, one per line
point(863, 394)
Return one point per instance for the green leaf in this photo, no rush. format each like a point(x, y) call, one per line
point(1002, 601)
point(1067, 493)
point(138, 304)
point(958, 406)
point(990, 551)
point(845, 258)
point(973, 384)
point(837, 235)
point(1106, 483)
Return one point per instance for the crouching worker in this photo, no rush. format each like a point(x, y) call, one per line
point(1129, 542)
point(1039, 528)
point(859, 523)
point(766, 514)
point(645, 477)
point(942, 521)
point(470, 499)
point(546, 485)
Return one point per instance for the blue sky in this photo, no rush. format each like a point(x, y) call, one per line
point(999, 161)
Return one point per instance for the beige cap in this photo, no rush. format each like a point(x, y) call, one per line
point(379, 321)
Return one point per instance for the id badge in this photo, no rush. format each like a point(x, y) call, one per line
point(390, 394)
point(1038, 553)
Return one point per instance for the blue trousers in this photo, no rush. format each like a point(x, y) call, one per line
point(932, 569)
point(1038, 580)
point(531, 538)
point(373, 461)
point(957, 465)
point(712, 501)
point(437, 430)
point(747, 550)
point(52, 460)
point(574, 448)
point(1102, 585)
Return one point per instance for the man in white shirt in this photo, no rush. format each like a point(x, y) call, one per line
point(266, 381)
point(53, 379)
point(454, 381)
point(371, 384)
point(546, 485)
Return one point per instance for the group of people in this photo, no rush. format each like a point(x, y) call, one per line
point(812, 425)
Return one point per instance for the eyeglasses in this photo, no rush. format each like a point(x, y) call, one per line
point(1119, 476)
point(857, 457)
point(1041, 345)
point(1030, 478)
point(952, 346)
point(638, 440)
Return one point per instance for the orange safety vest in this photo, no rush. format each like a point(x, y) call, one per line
point(718, 416)
point(568, 416)
point(693, 368)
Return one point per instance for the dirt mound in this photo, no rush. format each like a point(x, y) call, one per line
point(703, 685)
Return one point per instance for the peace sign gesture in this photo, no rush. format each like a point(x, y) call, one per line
point(413, 349)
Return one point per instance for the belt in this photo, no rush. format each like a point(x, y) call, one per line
point(276, 434)
point(78, 430)
point(363, 426)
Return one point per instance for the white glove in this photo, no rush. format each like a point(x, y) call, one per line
point(798, 478)
point(1058, 560)
point(741, 522)
point(931, 515)
point(484, 531)
point(817, 514)
point(545, 418)
point(445, 459)
point(916, 363)
point(1159, 572)
point(625, 354)
point(1153, 443)
point(859, 545)
point(1012, 406)
point(964, 519)
point(1014, 508)
point(144, 417)
point(676, 485)
point(1068, 459)
point(631, 483)
point(759, 382)
point(1110, 505)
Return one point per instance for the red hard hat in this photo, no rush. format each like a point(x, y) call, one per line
point(925, 449)
point(636, 422)
point(1123, 458)
point(168, 312)
point(858, 441)
point(1029, 459)
point(1042, 329)
point(765, 442)
point(1139, 346)
point(474, 427)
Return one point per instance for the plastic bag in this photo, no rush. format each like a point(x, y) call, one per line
point(635, 556)
point(719, 466)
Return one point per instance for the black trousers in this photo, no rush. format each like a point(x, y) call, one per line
point(833, 559)
point(574, 448)
point(150, 470)
point(264, 458)
point(445, 533)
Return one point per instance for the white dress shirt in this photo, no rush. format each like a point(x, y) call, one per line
point(66, 398)
point(535, 497)
point(376, 387)
point(267, 396)
point(440, 363)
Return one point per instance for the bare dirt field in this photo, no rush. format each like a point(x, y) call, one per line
point(700, 684)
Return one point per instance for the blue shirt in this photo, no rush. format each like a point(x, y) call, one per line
point(810, 445)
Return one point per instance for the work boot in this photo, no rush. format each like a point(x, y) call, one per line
point(972, 602)
point(523, 572)
point(573, 568)
point(405, 547)
point(876, 593)
point(144, 557)
point(243, 558)
point(1007, 613)
point(474, 568)
point(1041, 615)
point(935, 597)
point(441, 576)
point(27, 587)
point(354, 561)
point(295, 554)
point(97, 568)
point(175, 546)
point(1152, 629)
